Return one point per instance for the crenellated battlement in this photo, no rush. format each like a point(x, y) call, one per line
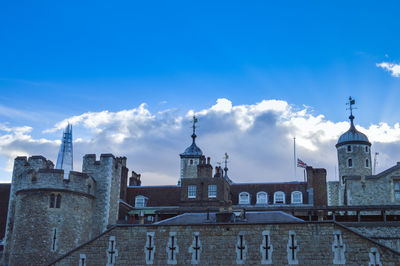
point(38, 173)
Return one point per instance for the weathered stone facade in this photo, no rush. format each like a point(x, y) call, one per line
point(50, 215)
point(221, 245)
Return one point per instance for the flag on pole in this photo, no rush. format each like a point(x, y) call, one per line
point(301, 164)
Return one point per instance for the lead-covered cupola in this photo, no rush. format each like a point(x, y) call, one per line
point(190, 158)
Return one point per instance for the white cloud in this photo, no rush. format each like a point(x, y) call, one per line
point(258, 137)
point(393, 68)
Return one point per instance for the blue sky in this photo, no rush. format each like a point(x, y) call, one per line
point(63, 59)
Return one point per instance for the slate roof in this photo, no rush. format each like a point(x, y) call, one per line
point(251, 218)
point(270, 188)
point(157, 195)
point(4, 197)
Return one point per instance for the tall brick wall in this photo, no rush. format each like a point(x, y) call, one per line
point(218, 242)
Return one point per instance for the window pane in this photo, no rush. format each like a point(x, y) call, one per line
point(244, 198)
point(52, 200)
point(262, 198)
point(279, 197)
point(297, 197)
point(397, 194)
point(396, 185)
point(191, 191)
point(212, 191)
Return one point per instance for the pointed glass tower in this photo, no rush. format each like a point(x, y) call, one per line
point(65, 156)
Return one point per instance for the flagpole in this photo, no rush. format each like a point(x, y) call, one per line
point(294, 157)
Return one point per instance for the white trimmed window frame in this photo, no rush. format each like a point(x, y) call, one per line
point(212, 191)
point(192, 191)
point(244, 198)
point(140, 201)
point(295, 200)
point(262, 197)
point(279, 197)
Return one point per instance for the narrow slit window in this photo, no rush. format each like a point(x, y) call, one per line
point(52, 200)
point(350, 162)
point(58, 201)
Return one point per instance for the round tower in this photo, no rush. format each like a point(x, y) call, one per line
point(354, 154)
point(48, 214)
point(190, 158)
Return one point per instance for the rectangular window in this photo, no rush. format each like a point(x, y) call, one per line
point(396, 189)
point(212, 191)
point(191, 191)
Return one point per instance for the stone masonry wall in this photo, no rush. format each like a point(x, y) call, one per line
point(21, 165)
point(373, 191)
point(333, 193)
point(219, 242)
point(105, 172)
point(189, 170)
point(387, 234)
point(36, 223)
point(358, 156)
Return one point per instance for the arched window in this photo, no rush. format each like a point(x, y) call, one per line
point(262, 197)
point(366, 149)
point(52, 200)
point(141, 201)
point(350, 163)
point(297, 197)
point(279, 197)
point(244, 198)
point(349, 148)
point(58, 201)
point(367, 163)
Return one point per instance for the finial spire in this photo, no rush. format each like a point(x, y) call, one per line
point(351, 103)
point(194, 128)
point(226, 165)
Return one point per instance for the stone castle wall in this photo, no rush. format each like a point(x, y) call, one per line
point(332, 188)
point(36, 225)
point(107, 173)
point(32, 223)
point(315, 243)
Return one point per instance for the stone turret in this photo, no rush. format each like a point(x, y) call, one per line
point(354, 157)
point(49, 215)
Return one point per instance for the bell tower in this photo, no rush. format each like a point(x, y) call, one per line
point(190, 158)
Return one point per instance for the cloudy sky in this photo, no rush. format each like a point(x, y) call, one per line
point(130, 75)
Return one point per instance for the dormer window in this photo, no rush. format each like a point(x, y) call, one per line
point(349, 148)
point(191, 191)
point(141, 201)
point(262, 198)
point(279, 197)
point(244, 198)
point(350, 163)
point(297, 197)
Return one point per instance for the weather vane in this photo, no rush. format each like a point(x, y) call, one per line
point(351, 103)
point(194, 124)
